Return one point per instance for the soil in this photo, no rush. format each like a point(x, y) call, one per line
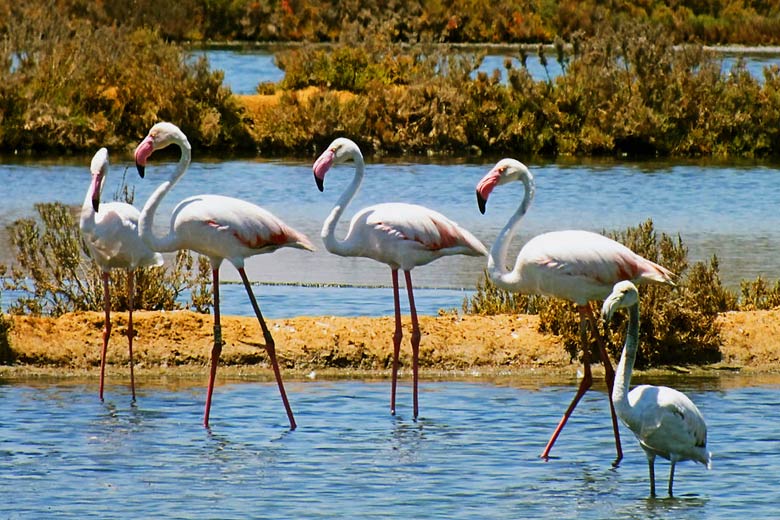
point(180, 342)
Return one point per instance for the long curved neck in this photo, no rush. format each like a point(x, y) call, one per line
point(87, 217)
point(626, 364)
point(146, 220)
point(498, 253)
point(332, 244)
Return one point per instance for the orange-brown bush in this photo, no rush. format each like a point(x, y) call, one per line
point(482, 21)
point(68, 85)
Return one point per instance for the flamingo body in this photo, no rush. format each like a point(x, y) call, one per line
point(401, 235)
point(220, 228)
point(665, 421)
point(575, 265)
point(111, 228)
point(111, 233)
point(113, 241)
point(405, 236)
point(579, 266)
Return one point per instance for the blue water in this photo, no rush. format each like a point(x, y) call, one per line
point(472, 454)
point(725, 209)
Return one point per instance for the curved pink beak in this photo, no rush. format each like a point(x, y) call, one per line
point(485, 187)
point(97, 179)
point(142, 153)
point(321, 167)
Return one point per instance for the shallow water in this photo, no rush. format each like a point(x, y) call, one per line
point(472, 454)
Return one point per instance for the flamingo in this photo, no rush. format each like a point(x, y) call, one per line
point(579, 266)
point(111, 233)
point(664, 421)
point(221, 228)
point(403, 236)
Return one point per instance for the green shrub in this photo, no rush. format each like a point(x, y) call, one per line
point(54, 275)
point(677, 324)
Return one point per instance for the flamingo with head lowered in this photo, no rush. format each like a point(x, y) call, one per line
point(221, 228)
point(403, 236)
point(111, 233)
point(579, 266)
point(665, 422)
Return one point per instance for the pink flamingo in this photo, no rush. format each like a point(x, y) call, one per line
point(111, 233)
point(575, 265)
point(219, 228)
point(400, 235)
point(664, 420)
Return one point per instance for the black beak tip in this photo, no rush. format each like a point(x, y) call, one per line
point(141, 169)
point(481, 203)
point(320, 183)
point(95, 205)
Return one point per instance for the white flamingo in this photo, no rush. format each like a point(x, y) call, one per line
point(575, 265)
point(221, 228)
point(665, 421)
point(111, 233)
point(400, 235)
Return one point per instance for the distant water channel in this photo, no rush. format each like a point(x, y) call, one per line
point(245, 68)
point(472, 454)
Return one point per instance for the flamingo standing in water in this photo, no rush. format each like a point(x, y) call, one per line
point(400, 235)
point(111, 233)
point(575, 265)
point(665, 421)
point(221, 228)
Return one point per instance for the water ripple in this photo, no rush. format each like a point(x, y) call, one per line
point(472, 454)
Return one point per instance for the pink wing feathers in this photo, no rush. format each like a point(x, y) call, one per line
point(216, 223)
point(432, 230)
point(586, 255)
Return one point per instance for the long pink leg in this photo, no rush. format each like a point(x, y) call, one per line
point(217, 348)
point(415, 339)
point(270, 347)
point(609, 375)
point(130, 331)
point(585, 384)
point(396, 339)
point(106, 328)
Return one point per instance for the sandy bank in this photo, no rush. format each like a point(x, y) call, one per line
point(181, 341)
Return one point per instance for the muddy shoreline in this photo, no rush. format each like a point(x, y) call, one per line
point(177, 344)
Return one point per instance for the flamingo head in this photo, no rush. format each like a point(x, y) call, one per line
point(99, 169)
point(505, 170)
point(339, 151)
point(624, 294)
point(159, 136)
